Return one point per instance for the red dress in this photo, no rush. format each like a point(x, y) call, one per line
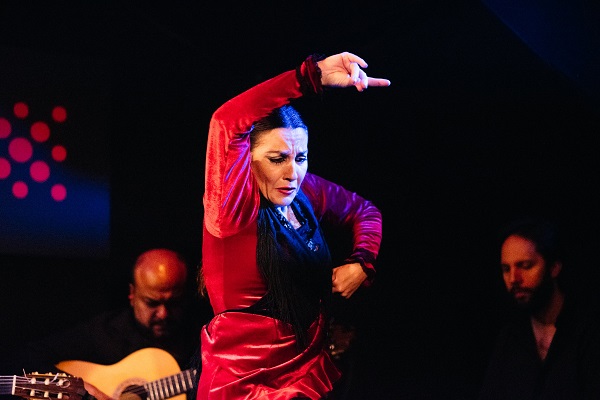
point(244, 355)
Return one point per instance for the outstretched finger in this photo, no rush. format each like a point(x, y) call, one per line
point(379, 82)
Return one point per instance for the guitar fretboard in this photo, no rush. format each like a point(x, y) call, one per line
point(170, 386)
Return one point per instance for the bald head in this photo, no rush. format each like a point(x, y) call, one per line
point(157, 290)
point(162, 269)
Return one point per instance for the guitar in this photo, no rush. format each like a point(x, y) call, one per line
point(43, 386)
point(150, 373)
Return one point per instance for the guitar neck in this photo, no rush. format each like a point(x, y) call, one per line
point(172, 385)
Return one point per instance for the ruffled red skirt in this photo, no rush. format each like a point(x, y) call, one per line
point(248, 356)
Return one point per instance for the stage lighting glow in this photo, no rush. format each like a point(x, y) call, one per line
point(54, 156)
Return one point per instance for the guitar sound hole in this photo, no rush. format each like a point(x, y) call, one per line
point(134, 392)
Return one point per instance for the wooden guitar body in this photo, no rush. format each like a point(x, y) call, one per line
point(151, 373)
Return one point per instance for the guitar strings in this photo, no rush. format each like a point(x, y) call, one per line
point(157, 390)
point(33, 379)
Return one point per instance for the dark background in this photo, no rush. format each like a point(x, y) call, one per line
point(492, 112)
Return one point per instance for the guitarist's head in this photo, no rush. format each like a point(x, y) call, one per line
point(157, 291)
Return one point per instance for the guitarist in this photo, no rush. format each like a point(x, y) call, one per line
point(158, 315)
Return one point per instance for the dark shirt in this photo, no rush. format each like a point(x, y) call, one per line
point(106, 339)
point(570, 371)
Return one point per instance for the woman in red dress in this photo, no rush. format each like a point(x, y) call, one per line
point(266, 265)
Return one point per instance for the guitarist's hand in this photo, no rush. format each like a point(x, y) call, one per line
point(95, 393)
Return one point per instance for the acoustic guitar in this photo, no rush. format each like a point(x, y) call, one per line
point(150, 373)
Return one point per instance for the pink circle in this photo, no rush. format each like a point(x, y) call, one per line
point(58, 192)
point(4, 168)
point(39, 171)
point(21, 110)
point(20, 149)
point(40, 131)
point(20, 189)
point(59, 153)
point(5, 128)
point(59, 114)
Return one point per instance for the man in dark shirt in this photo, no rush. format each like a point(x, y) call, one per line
point(158, 318)
point(551, 348)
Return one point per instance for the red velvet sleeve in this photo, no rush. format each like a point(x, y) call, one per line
point(336, 205)
point(231, 196)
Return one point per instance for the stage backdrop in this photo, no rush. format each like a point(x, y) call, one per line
point(54, 158)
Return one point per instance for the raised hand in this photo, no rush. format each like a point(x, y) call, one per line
point(346, 69)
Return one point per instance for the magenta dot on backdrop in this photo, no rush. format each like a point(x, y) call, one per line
point(20, 189)
point(39, 170)
point(40, 131)
point(21, 110)
point(59, 153)
point(59, 114)
point(4, 168)
point(5, 128)
point(20, 149)
point(58, 192)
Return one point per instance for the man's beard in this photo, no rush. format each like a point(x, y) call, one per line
point(540, 296)
point(163, 330)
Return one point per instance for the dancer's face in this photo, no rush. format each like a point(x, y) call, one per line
point(280, 162)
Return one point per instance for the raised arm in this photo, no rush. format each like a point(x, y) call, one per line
point(231, 197)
